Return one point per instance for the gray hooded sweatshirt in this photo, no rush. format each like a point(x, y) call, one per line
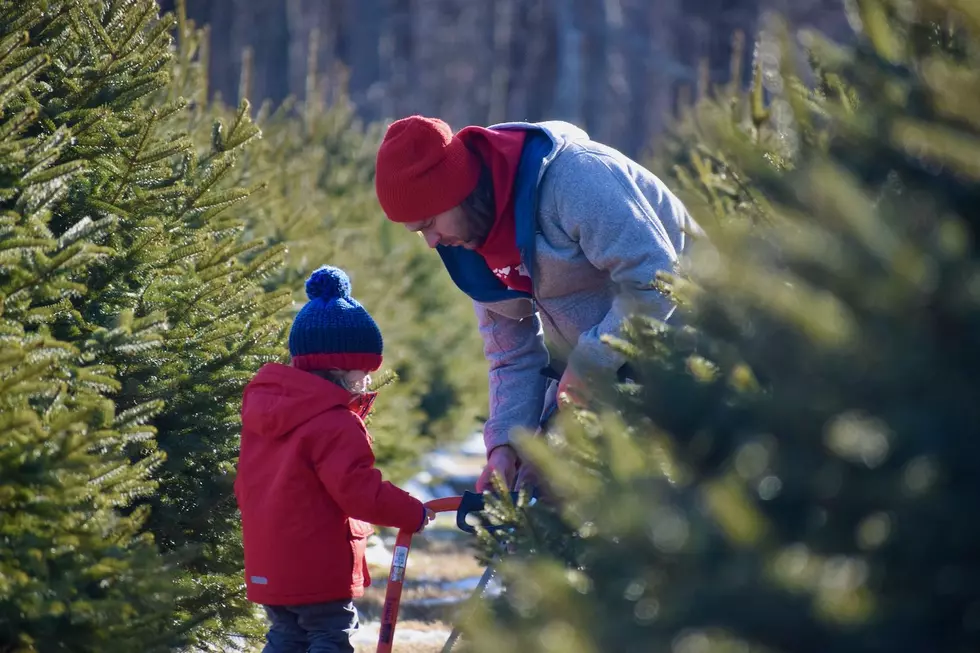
point(605, 226)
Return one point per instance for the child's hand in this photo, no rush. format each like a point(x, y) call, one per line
point(429, 516)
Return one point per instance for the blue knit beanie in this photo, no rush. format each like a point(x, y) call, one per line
point(333, 331)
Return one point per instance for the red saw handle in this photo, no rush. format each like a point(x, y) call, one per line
point(396, 577)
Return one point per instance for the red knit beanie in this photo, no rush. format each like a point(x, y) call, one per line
point(423, 170)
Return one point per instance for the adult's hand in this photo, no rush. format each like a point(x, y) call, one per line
point(528, 477)
point(571, 389)
point(503, 461)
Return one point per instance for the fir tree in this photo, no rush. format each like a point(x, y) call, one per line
point(138, 298)
point(159, 291)
point(316, 163)
point(77, 570)
point(796, 469)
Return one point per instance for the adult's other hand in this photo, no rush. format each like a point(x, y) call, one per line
point(571, 389)
point(503, 461)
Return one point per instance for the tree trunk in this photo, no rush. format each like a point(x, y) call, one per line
point(568, 94)
point(611, 66)
point(364, 53)
point(503, 24)
point(614, 126)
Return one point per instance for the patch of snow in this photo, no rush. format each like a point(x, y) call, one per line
point(444, 487)
point(444, 490)
point(368, 633)
point(377, 553)
point(442, 465)
point(435, 601)
point(493, 587)
point(473, 446)
point(463, 588)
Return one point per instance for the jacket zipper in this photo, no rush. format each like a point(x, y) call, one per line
point(536, 306)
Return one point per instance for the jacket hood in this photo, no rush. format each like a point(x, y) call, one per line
point(560, 131)
point(279, 398)
point(561, 134)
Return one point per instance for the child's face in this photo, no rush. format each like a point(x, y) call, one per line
point(358, 380)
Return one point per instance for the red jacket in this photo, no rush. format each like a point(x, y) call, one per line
point(305, 480)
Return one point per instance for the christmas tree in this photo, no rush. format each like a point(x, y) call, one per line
point(316, 163)
point(154, 248)
point(75, 564)
point(138, 314)
point(794, 470)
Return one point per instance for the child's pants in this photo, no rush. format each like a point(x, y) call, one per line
point(313, 628)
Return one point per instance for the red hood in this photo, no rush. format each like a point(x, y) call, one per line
point(279, 398)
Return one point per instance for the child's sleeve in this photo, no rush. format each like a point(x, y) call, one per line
point(345, 466)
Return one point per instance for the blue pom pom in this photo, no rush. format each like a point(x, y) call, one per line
point(327, 283)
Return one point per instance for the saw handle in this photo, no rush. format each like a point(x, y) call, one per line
point(469, 502)
point(472, 502)
point(396, 576)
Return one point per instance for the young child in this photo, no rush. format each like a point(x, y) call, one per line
point(306, 485)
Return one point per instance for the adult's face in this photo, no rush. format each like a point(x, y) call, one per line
point(452, 228)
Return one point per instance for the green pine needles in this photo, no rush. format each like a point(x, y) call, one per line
point(797, 470)
point(153, 246)
point(132, 314)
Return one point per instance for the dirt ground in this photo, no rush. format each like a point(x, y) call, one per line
point(442, 572)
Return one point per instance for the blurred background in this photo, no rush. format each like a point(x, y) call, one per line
point(614, 67)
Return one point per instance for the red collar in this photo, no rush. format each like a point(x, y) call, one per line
point(362, 403)
point(358, 403)
point(501, 151)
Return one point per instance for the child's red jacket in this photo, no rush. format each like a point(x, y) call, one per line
point(306, 486)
